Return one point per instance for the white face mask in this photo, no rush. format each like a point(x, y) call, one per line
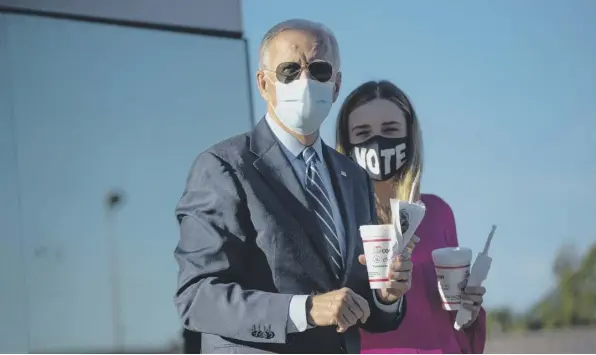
point(303, 104)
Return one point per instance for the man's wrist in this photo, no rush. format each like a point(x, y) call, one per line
point(382, 300)
point(308, 308)
point(387, 307)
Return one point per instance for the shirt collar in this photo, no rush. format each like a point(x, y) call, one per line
point(290, 143)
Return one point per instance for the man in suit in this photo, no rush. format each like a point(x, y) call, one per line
point(270, 254)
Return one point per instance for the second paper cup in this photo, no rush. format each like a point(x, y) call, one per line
point(452, 266)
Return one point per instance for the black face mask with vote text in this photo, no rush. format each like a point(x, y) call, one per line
point(381, 157)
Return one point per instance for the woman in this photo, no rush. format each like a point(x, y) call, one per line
point(377, 127)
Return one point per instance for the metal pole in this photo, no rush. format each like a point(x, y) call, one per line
point(113, 200)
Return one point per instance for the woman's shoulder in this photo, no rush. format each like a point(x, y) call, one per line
point(433, 200)
point(436, 206)
point(438, 221)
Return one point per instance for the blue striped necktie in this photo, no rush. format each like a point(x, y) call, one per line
point(320, 202)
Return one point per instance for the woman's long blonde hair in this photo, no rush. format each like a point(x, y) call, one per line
point(412, 167)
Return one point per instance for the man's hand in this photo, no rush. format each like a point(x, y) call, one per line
point(400, 274)
point(342, 308)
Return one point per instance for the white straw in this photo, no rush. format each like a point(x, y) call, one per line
point(489, 239)
point(414, 186)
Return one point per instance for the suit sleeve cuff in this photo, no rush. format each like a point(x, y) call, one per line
point(297, 321)
point(388, 308)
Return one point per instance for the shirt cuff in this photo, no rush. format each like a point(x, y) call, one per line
point(297, 321)
point(388, 308)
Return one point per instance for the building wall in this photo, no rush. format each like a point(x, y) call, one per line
point(215, 15)
point(86, 108)
point(13, 317)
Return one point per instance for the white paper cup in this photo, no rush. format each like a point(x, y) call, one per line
point(452, 266)
point(377, 241)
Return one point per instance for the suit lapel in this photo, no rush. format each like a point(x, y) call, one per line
point(275, 168)
point(343, 187)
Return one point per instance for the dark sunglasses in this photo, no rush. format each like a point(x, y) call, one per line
point(289, 71)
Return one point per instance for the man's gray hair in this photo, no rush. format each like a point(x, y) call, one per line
point(328, 41)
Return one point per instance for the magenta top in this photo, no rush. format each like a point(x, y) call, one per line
point(427, 328)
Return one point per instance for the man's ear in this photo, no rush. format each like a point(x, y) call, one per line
point(337, 86)
point(262, 84)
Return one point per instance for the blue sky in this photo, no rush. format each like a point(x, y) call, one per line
point(505, 92)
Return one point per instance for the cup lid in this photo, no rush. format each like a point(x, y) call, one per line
point(376, 230)
point(452, 256)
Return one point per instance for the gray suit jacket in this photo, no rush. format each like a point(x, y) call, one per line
point(248, 242)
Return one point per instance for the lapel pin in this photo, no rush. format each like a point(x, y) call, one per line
point(343, 173)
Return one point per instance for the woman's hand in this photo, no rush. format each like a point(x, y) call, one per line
point(472, 298)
